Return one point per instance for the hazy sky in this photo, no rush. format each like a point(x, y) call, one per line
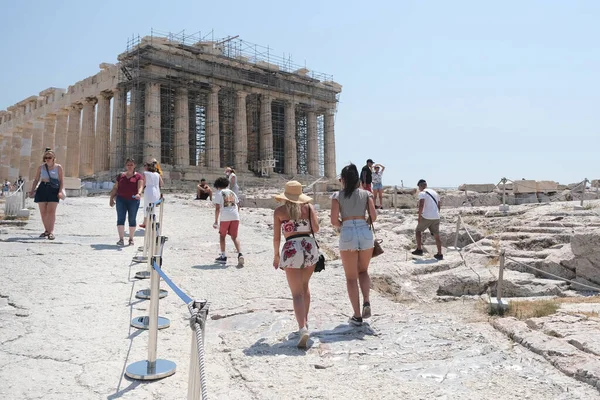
point(450, 91)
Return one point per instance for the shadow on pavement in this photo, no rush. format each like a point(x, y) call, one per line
point(106, 247)
point(344, 333)
point(210, 266)
point(432, 261)
point(288, 348)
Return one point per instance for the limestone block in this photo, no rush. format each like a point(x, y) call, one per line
point(477, 187)
point(546, 186)
point(526, 198)
point(587, 244)
point(525, 186)
point(595, 183)
point(72, 183)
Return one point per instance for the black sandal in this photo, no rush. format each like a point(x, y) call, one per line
point(45, 234)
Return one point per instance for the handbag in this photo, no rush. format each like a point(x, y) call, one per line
point(54, 183)
point(320, 265)
point(377, 249)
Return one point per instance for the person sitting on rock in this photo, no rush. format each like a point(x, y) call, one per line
point(429, 218)
point(203, 191)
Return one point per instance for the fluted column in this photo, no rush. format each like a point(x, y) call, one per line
point(152, 142)
point(266, 129)
point(25, 155)
point(329, 144)
point(88, 137)
point(102, 142)
point(37, 147)
point(15, 154)
point(240, 137)
point(291, 156)
point(212, 129)
point(49, 124)
point(117, 138)
point(73, 140)
point(132, 123)
point(60, 136)
point(312, 148)
point(182, 128)
point(4, 154)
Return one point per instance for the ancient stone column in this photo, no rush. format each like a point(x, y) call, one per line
point(182, 128)
point(329, 144)
point(25, 155)
point(117, 139)
point(5, 145)
point(152, 139)
point(49, 123)
point(60, 136)
point(212, 129)
point(132, 124)
point(291, 156)
point(102, 142)
point(15, 154)
point(37, 147)
point(240, 136)
point(73, 140)
point(88, 137)
point(312, 148)
point(266, 129)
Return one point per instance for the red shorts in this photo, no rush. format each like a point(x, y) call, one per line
point(368, 187)
point(229, 228)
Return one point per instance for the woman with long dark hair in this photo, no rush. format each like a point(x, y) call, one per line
point(349, 207)
point(51, 178)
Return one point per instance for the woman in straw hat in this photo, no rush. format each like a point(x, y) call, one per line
point(296, 218)
point(356, 239)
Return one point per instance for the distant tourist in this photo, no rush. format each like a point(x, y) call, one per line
point(5, 187)
point(50, 190)
point(157, 166)
point(152, 184)
point(203, 191)
point(429, 218)
point(356, 239)
point(378, 184)
point(233, 183)
point(20, 183)
point(366, 176)
point(127, 192)
point(296, 218)
point(227, 219)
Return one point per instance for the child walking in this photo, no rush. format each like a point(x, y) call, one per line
point(227, 212)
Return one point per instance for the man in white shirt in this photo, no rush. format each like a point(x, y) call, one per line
point(227, 219)
point(429, 218)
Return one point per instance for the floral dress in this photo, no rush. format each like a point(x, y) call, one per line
point(299, 250)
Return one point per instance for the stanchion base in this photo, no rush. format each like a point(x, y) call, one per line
point(452, 248)
point(142, 370)
point(503, 208)
point(141, 248)
point(139, 259)
point(145, 294)
point(496, 305)
point(142, 275)
point(578, 208)
point(142, 322)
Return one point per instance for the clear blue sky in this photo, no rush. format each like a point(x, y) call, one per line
point(451, 91)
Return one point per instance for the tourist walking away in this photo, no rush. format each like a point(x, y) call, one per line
point(233, 183)
point(366, 176)
point(5, 187)
point(429, 218)
point(20, 184)
point(227, 219)
point(203, 191)
point(378, 184)
point(349, 208)
point(152, 184)
point(298, 222)
point(51, 183)
point(127, 192)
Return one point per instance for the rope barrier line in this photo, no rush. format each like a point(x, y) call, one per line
point(473, 240)
point(197, 323)
point(184, 297)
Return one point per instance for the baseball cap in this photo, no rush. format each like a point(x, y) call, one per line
point(369, 161)
point(421, 181)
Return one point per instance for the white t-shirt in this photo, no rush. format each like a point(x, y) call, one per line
point(228, 201)
point(152, 189)
point(430, 209)
point(377, 177)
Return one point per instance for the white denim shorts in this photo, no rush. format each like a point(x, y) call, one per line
point(355, 235)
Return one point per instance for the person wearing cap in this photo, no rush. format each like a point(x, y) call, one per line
point(296, 219)
point(429, 218)
point(349, 208)
point(203, 191)
point(378, 184)
point(366, 176)
point(227, 219)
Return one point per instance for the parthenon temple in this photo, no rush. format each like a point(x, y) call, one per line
point(195, 105)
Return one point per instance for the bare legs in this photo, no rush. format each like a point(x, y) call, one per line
point(378, 193)
point(356, 268)
point(236, 243)
point(48, 214)
point(298, 281)
point(438, 241)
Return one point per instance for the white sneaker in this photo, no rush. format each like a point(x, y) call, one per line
point(240, 260)
point(304, 335)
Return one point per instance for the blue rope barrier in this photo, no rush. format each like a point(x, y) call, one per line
point(184, 297)
point(158, 202)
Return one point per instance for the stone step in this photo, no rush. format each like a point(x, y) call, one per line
point(537, 229)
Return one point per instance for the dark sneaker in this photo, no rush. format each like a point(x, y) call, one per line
point(417, 252)
point(439, 256)
point(356, 321)
point(240, 260)
point(221, 259)
point(366, 313)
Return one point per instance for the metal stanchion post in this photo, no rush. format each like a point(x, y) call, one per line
point(152, 368)
point(149, 240)
point(195, 385)
point(498, 303)
point(157, 243)
point(583, 187)
point(145, 254)
point(395, 197)
point(503, 207)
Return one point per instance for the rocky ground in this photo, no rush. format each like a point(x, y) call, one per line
point(65, 308)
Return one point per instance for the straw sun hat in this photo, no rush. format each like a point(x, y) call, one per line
point(293, 193)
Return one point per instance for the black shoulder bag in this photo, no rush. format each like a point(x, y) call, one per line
point(54, 183)
point(320, 265)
